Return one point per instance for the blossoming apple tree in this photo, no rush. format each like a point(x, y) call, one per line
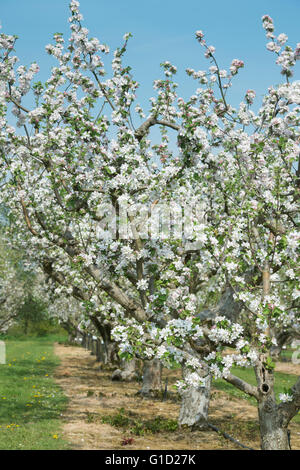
point(197, 249)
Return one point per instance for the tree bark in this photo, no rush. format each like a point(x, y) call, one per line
point(274, 435)
point(127, 373)
point(273, 428)
point(110, 353)
point(151, 378)
point(195, 404)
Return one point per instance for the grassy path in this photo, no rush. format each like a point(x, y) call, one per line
point(31, 402)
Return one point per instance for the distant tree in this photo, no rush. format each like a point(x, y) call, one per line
point(32, 311)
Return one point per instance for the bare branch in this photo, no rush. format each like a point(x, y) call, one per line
point(242, 385)
point(152, 121)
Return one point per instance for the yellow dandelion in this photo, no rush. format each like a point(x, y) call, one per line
point(55, 436)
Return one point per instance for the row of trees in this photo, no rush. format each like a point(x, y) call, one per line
point(11, 289)
point(26, 302)
point(187, 255)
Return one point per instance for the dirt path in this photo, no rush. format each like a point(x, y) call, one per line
point(92, 395)
point(288, 368)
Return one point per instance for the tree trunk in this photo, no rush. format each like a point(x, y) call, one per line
point(70, 329)
point(273, 431)
point(127, 373)
point(71, 338)
point(94, 346)
point(111, 353)
point(99, 350)
point(273, 435)
point(151, 378)
point(89, 341)
point(195, 404)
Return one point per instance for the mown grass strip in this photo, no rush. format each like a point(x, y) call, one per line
point(30, 402)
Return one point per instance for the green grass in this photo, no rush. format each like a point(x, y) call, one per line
point(287, 353)
point(30, 401)
point(282, 382)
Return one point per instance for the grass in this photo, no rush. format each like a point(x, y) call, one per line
point(30, 401)
point(287, 353)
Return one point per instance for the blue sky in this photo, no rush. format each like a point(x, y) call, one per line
point(163, 30)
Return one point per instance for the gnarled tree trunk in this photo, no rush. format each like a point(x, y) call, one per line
point(151, 378)
point(195, 404)
point(127, 373)
point(273, 428)
point(110, 352)
point(274, 435)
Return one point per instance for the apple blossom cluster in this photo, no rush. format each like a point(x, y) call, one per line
point(287, 57)
point(224, 331)
point(162, 343)
point(286, 397)
point(192, 380)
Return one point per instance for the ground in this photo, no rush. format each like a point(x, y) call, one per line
point(93, 396)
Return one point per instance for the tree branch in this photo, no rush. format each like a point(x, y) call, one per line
point(290, 409)
point(242, 385)
point(152, 121)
